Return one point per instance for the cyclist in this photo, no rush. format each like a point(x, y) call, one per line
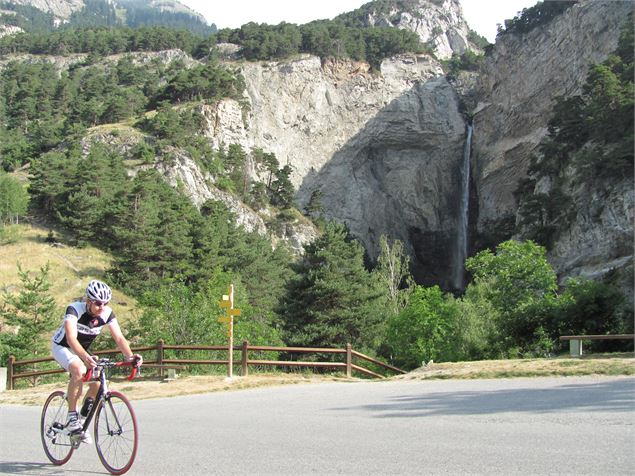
point(82, 323)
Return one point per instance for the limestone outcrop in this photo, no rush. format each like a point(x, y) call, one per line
point(438, 23)
point(516, 89)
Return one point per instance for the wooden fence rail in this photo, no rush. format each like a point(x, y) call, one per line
point(162, 363)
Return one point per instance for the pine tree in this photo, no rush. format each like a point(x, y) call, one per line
point(333, 300)
point(154, 235)
point(31, 313)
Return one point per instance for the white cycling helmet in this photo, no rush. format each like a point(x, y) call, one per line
point(98, 291)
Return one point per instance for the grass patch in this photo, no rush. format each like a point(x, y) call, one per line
point(70, 268)
point(154, 387)
point(602, 364)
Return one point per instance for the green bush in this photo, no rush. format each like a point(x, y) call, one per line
point(590, 307)
point(424, 330)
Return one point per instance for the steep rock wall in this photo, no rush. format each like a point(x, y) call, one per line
point(60, 9)
point(383, 149)
point(517, 87)
point(516, 90)
point(400, 176)
point(438, 23)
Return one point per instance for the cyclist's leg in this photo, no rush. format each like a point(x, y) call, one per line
point(93, 388)
point(76, 369)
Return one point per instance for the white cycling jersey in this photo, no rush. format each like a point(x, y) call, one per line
point(88, 326)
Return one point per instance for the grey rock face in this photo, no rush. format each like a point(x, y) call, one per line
point(384, 149)
point(439, 24)
point(516, 90)
point(399, 176)
point(61, 9)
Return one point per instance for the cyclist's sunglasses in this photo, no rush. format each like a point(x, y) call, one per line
point(101, 303)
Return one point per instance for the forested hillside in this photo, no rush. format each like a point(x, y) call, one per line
point(177, 259)
point(102, 13)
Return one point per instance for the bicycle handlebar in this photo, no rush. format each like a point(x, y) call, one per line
point(105, 363)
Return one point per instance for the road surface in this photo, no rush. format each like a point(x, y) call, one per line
point(535, 426)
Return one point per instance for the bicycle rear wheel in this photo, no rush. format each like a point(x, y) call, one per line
point(57, 445)
point(116, 434)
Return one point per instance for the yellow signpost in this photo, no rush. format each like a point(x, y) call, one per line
point(228, 303)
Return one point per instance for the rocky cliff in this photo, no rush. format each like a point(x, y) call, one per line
point(385, 150)
point(439, 23)
point(60, 9)
point(516, 89)
point(382, 148)
point(63, 9)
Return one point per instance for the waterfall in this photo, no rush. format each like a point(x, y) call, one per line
point(460, 253)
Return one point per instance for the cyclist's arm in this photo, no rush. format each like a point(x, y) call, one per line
point(121, 342)
point(70, 328)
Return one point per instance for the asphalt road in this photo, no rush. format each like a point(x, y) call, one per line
point(582, 426)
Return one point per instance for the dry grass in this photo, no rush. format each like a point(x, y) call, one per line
point(156, 388)
point(624, 364)
point(607, 365)
point(70, 268)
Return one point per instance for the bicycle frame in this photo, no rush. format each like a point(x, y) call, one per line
point(102, 392)
point(101, 397)
point(115, 424)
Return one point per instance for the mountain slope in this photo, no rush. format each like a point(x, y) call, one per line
point(40, 15)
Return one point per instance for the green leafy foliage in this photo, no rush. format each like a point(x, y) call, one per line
point(154, 233)
point(26, 17)
point(41, 109)
point(173, 126)
point(100, 41)
point(324, 38)
point(181, 314)
point(14, 199)
point(533, 17)
point(424, 329)
point(466, 61)
point(393, 273)
point(30, 313)
point(521, 286)
point(590, 307)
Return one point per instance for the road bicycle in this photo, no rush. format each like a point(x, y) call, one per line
point(115, 431)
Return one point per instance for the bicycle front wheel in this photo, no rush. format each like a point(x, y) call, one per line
point(116, 434)
point(57, 444)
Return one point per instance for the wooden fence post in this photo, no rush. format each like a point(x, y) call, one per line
point(10, 372)
point(160, 356)
point(349, 360)
point(244, 371)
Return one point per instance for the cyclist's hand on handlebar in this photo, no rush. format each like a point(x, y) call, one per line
point(136, 359)
point(90, 361)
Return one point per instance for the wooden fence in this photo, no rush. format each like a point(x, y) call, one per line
point(160, 361)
